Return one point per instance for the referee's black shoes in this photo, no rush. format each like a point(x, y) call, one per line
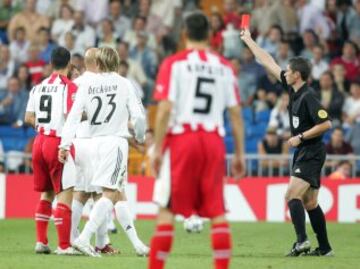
point(299, 248)
point(319, 252)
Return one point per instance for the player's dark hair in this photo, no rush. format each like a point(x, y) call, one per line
point(197, 26)
point(60, 58)
point(301, 65)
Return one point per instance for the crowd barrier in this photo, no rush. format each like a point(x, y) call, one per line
point(250, 199)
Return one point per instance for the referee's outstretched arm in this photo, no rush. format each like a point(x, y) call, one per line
point(265, 58)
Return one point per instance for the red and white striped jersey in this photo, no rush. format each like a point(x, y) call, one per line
point(201, 85)
point(51, 100)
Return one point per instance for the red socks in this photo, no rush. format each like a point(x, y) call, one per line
point(42, 217)
point(221, 244)
point(160, 246)
point(62, 219)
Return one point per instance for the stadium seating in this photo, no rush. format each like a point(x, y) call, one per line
point(15, 138)
point(255, 125)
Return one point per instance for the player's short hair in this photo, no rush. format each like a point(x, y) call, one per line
point(301, 65)
point(60, 58)
point(107, 59)
point(197, 26)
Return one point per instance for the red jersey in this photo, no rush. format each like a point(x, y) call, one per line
point(51, 100)
point(201, 85)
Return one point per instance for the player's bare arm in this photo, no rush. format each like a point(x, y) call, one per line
point(315, 131)
point(265, 58)
point(30, 119)
point(161, 124)
point(238, 162)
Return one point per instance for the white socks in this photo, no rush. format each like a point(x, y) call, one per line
point(97, 217)
point(76, 209)
point(125, 219)
point(102, 235)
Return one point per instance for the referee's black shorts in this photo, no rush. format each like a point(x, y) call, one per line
point(307, 163)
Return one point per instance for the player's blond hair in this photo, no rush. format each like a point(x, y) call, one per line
point(90, 57)
point(107, 59)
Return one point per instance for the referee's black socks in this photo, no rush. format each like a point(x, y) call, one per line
point(297, 213)
point(318, 223)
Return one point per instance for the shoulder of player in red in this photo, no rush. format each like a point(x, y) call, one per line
point(164, 74)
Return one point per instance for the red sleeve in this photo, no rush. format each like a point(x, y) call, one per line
point(163, 81)
point(71, 91)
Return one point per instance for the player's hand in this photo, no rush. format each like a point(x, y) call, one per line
point(136, 145)
point(294, 141)
point(62, 155)
point(156, 160)
point(245, 34)
point(238, 167)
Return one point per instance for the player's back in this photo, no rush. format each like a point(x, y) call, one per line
point(51, 100)
point(107, 98)
point(200, 84)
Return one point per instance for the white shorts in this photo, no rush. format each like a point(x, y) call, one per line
point(110, 162)
point(84, 154)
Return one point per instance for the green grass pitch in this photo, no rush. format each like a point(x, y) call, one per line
point(256, 245)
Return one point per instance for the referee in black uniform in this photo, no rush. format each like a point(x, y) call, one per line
point(308, 122)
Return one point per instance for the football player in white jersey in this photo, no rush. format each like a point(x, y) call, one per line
point(49, 103)
point(84, 189)
point(109, 101)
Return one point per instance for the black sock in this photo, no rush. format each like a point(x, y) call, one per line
point(297, 213)
point(318, 223)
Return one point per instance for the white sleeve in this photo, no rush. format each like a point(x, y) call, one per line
point(73, 119)
point(31, 102)
point(233, 92)
point(137, 113)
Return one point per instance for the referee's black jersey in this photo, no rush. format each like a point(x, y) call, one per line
point(305, 110)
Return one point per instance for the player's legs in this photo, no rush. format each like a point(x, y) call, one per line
point(62, 212)
point(317, 220)
point(102, 239)
point(79, 200)
point(294, 197)
point(161, 241)
point(221, 242)
point(212, 198)
point(62, 217)
point(179, 177)
point(42, 183)
point(97, 217)
point(124, 216)
point(42, 217)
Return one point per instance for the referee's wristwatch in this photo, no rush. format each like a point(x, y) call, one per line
point(301, 137)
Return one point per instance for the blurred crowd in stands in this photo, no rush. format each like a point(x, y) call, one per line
point(145, 31)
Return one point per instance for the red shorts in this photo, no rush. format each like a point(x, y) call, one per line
point(196, 167)
point(47, 169)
